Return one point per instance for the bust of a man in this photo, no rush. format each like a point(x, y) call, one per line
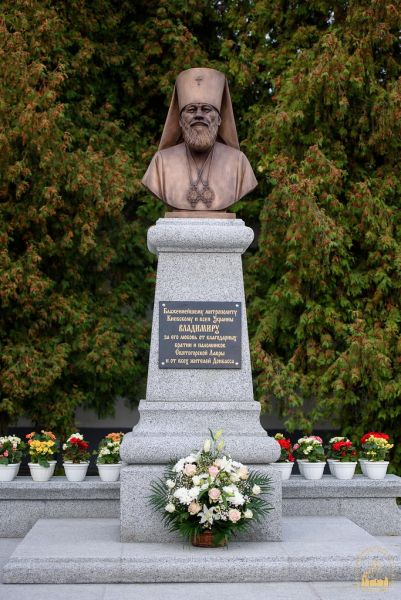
point(199, 165)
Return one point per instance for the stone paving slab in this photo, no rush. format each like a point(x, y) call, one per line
point(89, 551)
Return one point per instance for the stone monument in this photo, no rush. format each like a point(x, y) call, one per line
point(199, 375)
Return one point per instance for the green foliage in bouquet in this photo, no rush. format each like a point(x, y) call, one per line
point(208, 490)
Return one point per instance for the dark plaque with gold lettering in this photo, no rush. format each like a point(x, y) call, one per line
point(200, 335)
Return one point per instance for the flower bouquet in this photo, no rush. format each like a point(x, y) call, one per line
point(108, 457)
point(76, 457)
point(342, 454)
point(11, 453)
point(41, 448)
point(310, 455)
point(375, 448)
point(286, 460)
point(208, 497)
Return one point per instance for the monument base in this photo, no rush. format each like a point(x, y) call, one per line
point(199, 262)
point(139, 523)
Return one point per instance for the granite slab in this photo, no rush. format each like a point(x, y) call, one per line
point(90, 551)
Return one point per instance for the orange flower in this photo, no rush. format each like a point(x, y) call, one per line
point(115, 437)
point(29, 435)
point(50, 434)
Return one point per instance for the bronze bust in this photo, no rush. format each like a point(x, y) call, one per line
point(199, 166)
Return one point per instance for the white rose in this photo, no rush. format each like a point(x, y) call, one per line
point(256, 490)
point(190, 469)
point(248, 514)
point(196, 480)
point(170, 507)
point(170, 484)
point(243, 472)
point(64, 446)
point(234, 477)
point(206, 446)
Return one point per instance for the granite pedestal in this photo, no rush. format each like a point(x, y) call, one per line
point(198, 260)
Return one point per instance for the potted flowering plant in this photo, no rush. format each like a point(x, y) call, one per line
point(41, 448)
point(108, 457)
point(11, 453)
point(329, 453)
point(375, 448)
point(208, 497)
point(343, 453)
point(310, 455)
point(286, 460)
point(76, 457)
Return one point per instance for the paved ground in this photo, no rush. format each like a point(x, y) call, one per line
point(245, 591)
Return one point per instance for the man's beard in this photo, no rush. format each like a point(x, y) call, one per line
point(199, 139)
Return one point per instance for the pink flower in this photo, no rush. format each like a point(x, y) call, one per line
point(295, 447)
point(5, 453)
point(317, 438)
point(234, 515)
point(213, 471)
point(190, 470)
point(194, 508)
point(214, 494)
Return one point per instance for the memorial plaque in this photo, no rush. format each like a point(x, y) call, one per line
point(200, 335)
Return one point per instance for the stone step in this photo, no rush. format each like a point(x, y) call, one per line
point(370, 504)
point(90, 551)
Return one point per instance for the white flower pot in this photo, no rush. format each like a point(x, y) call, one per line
point(39, 473)
point(376, 469)
point(284, 468)
point(75, 471)
point(330, 462)
point(343, 470)
point(362, 465)
point(300, 462)
point(313, 470)
point(9, 472)
point(109, 472)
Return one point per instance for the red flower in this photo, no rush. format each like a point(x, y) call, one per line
point(337, 446)
point(286, 444)
point(375, 434)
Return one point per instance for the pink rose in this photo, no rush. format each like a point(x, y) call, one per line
point(295, 447)
point(214, 494)
point(234, 515)
point(194, 508)
point(190, 470)
point(5, 453)
point(213, 471)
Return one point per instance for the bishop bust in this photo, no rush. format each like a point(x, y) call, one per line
point(199, 165)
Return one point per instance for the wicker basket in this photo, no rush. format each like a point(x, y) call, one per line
point(205, 540)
